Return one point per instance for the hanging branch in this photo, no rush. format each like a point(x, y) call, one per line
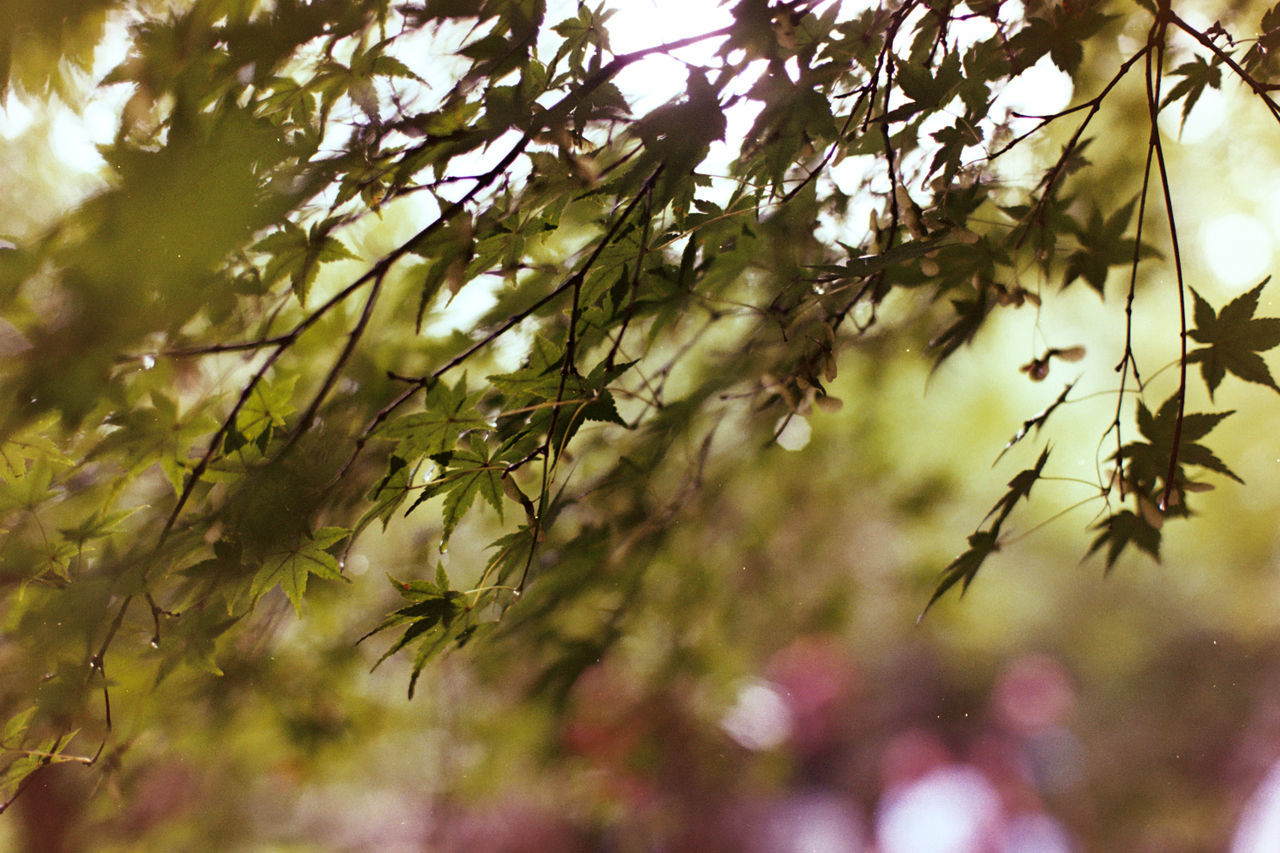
point(1154, 78)
point(1094, 104)
point(1128, 359)
point(567, 366)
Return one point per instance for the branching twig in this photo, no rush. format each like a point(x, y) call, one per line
point(1093, 104)
point(1128, 359)
point(304, 423)
point(1056, 172)
point(1259, 89)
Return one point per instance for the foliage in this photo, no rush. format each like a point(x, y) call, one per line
point(228, 373)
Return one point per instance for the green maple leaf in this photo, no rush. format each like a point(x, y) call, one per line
point(969, 317)
point(1037, 421)
point(291, 568)
point(1123, 529)
point(983, 543)
point(1234, 337)
point(964, 568)
point(1019, 488)
point(468, 473)
point(435, 615)
point(297, 254)
point(449, 413)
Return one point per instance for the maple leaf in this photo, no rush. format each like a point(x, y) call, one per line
point(1148, 461)
point(297, 254)
point(1234, 337)
point(464, 474)
point(1103, 245)
point(964, 569)
point(1196, 76)
point(291, 567)
point(983, 543)
point(1121, 530)
point(970, 314)
point(1036, 421)
point(449, 414)
point(1019, 488)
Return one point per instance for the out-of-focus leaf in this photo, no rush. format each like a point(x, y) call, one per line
point(1123, 529)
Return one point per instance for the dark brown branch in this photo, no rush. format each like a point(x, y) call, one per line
point(641, 251)
point(304, 423)
point(1153, 109)
point(1093, 104)
point(1056, 172)
point(1258, 88)
point(1128, 359)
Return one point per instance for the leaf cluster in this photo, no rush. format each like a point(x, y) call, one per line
point(248, 347)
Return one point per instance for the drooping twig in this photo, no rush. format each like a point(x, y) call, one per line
point(1154, 77)
point(1051, 180)
point(1127, 359)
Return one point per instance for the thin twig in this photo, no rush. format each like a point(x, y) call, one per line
point(1059, 168)
point(1092, 105)
point(1259, 89)
point(353, 338)
point(1153, 109)
point(1128, 359)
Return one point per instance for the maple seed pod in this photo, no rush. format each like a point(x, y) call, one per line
point(1070, 353)
point(910, 213)
point(829, 368)
point(1037, 369)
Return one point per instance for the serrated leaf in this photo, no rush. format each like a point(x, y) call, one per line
point(964, 568)
point(296, 254)
point(1037, 421)
point(290, 569)
point(1123, 529)
point(469, 473)
point(1019, 489)
point(449, 413)
point(969, 317)
point(1196, 76)
point(1159, 428)
point(101, 524)
point(432, 618)
point(1103, 245)
point(1148, 462)
point(15, 728)
point(1234, 339)
point(983, 543)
